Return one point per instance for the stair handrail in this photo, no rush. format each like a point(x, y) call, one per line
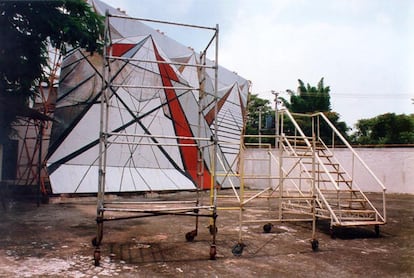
point(356, 185)
point(287, 112)
point(352, 150)
point(384, 215)
point(302, 134)
point(327, 205)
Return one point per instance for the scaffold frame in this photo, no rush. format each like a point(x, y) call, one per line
point(121, 210)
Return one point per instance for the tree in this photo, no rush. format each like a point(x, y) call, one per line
point(27, 29)
point(257, 107)
point(385, 129)
point(311, 99)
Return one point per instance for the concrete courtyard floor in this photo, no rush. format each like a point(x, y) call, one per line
point(54, 240)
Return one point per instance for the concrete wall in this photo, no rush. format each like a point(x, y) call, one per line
point(394, 167)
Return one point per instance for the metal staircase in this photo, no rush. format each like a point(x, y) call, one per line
point(336, 191)
point(300, 177)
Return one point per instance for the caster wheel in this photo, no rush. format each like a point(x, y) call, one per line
point(213, 252)
point(94, 242)
point(267, 227)
point(237, 250)
point(97, 257)
point(191, 235)
point(212, 230)
point(332, 233)
point(315, 245)
point(377, 230)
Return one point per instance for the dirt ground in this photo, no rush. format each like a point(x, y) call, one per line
point(54, 240)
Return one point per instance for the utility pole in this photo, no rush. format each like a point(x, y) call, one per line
point(276, 94)
point(260, 126)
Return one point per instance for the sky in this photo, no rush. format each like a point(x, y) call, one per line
point(364, 49)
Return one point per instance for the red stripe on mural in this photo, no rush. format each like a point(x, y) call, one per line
point(210, 115)
point(120, 49)
point(182, 128)
point(242, 108)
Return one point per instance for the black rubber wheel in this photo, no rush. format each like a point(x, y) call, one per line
point(377, 230)
point(191, 235)
point(97, 257)
point(213, 252)
point(315, 245)
point(332, 233)
point(267, 227)
point(237, 250)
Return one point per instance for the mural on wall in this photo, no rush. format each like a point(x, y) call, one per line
point(154, 92)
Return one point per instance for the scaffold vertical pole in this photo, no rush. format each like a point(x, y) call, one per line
point(103, 129)
point(213, 250)
point(314, 241)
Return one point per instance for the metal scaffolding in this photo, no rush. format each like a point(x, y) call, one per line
point(122, 210)
point(34, 131)
point(301, 180)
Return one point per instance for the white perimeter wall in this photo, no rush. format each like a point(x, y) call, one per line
point(393, 166)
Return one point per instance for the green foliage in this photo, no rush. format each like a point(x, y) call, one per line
point(254, 106)
point(27, 28)
point(257, 106)
point(310, 99)
point(385, 129)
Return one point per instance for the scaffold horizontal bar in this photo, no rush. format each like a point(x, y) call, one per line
point(158, 62)
point(154, 87)
point(155, 210)
point(228, 208)
point(163, 22)
point(150, 202)
point(152, 144)
point(157, 136)
point(277, 220)
point(359, 223)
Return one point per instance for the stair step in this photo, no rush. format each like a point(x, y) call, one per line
point(336, 180)
point(297, 206)
point(334, 191)
point(336, 211)
point(325, 163)
point(309, 152)
point(349, 205)
point(325, 155)
point(359, 223)
point(349, 210)
point(331, 172)
point(319, 151)
point(365, 211)
point(344, 198)
point(344, 201)
point(356, 219)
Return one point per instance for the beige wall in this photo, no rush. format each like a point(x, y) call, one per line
point(394, 167)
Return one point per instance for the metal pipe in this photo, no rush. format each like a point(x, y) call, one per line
point(153, 87)
point(354, 152)
point(161, 21)
point(159, 62)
